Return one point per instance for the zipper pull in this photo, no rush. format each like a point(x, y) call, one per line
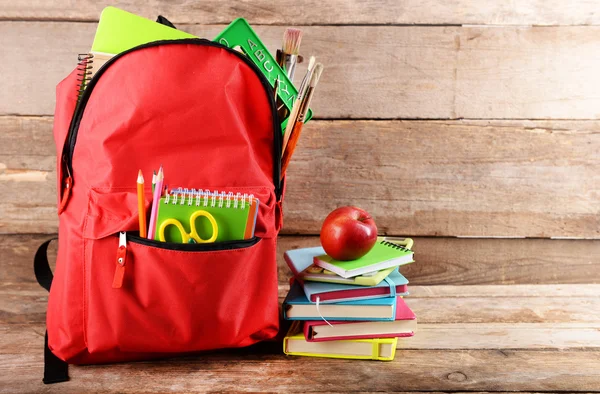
point(121, 258)
point(67, 186)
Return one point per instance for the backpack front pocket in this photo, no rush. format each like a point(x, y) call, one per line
point(180, 300)
point(172, 297)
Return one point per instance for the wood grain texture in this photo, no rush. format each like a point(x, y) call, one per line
point(27, 175)
point(286, 12)
point(527, 72)
point(547, 355)
point(28, 305)
point(267, 370)
point(487, 261)
point(371, 72)
point(504, 336)
point(472, 263)
point(415, 67)
point(474, 338)
point(23, 301)
point(439, 261)
point(435, 178)
point(439, 178)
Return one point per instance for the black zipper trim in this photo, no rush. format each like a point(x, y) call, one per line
point(77, 116)
point(207, 247)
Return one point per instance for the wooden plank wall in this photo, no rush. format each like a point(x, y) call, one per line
point(470, 119)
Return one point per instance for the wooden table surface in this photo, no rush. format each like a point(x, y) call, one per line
point(529, 338)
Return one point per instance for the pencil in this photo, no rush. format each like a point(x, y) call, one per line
point(141, 204)
point(153, 181)
point(155, 202)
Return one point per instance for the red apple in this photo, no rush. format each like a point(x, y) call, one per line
point(348, 233)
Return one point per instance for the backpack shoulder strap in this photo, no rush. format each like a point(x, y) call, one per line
point(41, 266)
point(55, 369)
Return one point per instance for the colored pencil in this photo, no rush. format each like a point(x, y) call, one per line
point(155, 201)
point(141, 204)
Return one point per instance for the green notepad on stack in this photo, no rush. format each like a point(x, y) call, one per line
point(235, 215)
point(385, 254)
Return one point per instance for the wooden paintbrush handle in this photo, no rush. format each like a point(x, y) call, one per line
point(291, 147)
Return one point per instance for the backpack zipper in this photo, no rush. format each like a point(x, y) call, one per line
point(121, 259)
point(124, 238)
point(69, 146)
point(206, 247)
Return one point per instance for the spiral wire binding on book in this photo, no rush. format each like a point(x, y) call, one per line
point(201, 197)
point(84, 71)
point(394, 245)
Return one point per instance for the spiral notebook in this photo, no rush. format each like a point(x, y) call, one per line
point(384, 254)
point(235, 214)
point(87, 65)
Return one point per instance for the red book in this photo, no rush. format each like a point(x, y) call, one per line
point(405, 325)
point(354, 294)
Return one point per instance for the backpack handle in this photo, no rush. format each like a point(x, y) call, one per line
point(164, 21)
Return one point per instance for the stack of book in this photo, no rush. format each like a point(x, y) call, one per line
point(348, 309)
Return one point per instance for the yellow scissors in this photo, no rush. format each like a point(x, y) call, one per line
point(193, 236)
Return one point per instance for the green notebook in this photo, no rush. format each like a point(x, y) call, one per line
point(120, 30)
point(235, 216)
point(385, 254)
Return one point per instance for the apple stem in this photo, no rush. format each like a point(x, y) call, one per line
point(364, 219)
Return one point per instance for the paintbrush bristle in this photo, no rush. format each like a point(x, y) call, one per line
point(311, 62)
point(314, 79)
point(291, 41)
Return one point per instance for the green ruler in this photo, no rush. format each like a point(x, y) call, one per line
point(239, 33)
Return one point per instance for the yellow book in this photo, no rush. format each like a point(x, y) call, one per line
point(382, 349)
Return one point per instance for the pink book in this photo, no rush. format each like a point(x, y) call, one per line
point(404, 326)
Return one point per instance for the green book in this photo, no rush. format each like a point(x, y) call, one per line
point(385, 254)
point(234, 217)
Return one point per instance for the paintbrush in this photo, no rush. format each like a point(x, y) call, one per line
point(296, 107)
point(288, 57)
point(311, 65)
point(295, 135)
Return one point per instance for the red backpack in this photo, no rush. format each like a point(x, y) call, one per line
point(207, 115)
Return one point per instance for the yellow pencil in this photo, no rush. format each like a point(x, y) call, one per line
point(141, 204)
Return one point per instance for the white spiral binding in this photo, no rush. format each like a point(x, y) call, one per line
point(238, 195)
point(185, 193)
point(229, 195)
point(181, 196)
point(222, 199)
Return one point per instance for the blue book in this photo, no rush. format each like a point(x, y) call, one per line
point(297, 307)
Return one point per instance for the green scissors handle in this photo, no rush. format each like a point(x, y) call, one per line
point(193, 235)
